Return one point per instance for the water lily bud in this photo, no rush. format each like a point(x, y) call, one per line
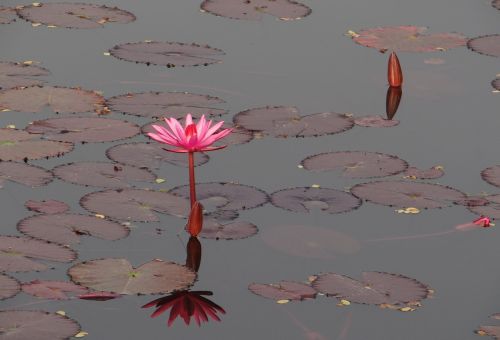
point(394, 73)
point(195, 221)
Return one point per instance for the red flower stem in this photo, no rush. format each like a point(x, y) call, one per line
point(192, 183)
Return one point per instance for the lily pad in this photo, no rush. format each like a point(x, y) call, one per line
point(47, 206)
point(407, 194)
point(237, 230)
point(283, 290)
point(356, 164)
point(431, 173)
point(169, 54)
point(59, 99)
point(67, 228)
point(19, 74)
point(53, 290)
point(7, 15)
point(496, 84)
point(135, 204)
point(496, 4)
point(285, 121)
point(492, 175)
point(375, 121)
point(487, 45)
point(151, 155)
point(83, 129)
point(375, 288)
point(118, 276)
point(39, 325)
point(408, 39)
point(473, 201)
point(493, 331)
point(255, 9)
point(18, 145)
point(491, 210)
point(166, 104)
point(8, 287)
point(22, 173)
point(17, 254)
point(310, 242)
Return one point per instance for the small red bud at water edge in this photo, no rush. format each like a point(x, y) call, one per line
point(394, 73)
point(483, 221)
point(195, 221)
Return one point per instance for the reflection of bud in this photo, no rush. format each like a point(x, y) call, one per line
point(394, 73)
point(195, 221)
point(193, 257)
point(392, 100)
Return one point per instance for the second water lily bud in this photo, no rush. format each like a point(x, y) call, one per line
point(195, 221)
point(394, 73)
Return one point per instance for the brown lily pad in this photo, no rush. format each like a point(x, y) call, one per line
point(22, 173)
point(19, 74)
point(492, 175)
point(356, 164)
point(487, 45)
point(47, 206)
point(283, 290)
point(59, 99)
point(8, 287)
point(496, 4)
point(408, 39)
point(169, 54)
point(119, 276)
point(7, 15)
point(493, 331)
point(39, 325)
point(213, 229)
point(496, 84)
point(473, 201)
point(74, 15)
point(17, 254)
point(53, 290)
point(83, 129)
point(68, 228)
point(431, 173)
point(255, 9)
point(375, 121)
point(491, 210)
point(285, 121)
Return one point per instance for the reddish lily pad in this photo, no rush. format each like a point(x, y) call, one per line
point(19, 74)
point(285, 121)
point(16, 254)
point(99, 296)
point(473, 201)
point(53, 290)
point(310, 242)
point(166, 104)
point(431, 173)
point(255, 9)
point(118, 276)
point(59, 99)
point(22, 173)
point(7, 15)
point(169, 54)
point(487, 45)
point(229, 196)
point(283, 290)
point(491, 210)
point(8, 287)
point(135, 204)
point(375, 121)
point(67, 228)
point(408, 39)
point(376, 288)
point(356, 164)
point(407, 194)
point(47, 206)
point(39, 325)
point(74, 15)
point(492, 175)
point(237, 230)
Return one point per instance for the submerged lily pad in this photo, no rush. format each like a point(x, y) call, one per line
point(16, 254)
point(213, 229)
point(135, 204)
point(492, 175)
point(169, 54)
point(7, 15)
point(407, 194)
point(8, 287)
point(285, 121)
point(283, 290)
point(59, 99)
point(19, 74)
point(487, 45)
point(375, 288)
point(47, 206)
point(53, 290)
point(255, 9)
point(491, 210)
point(408, 39)
point(22, 173)
point(118, 276)
point(431, 173)
point(375, 121)
point(356, 164)
point(67, 228)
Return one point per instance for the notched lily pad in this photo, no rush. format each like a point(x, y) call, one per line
point(255, 9)
point(53, 290)
point(22, 173)
point(237, 230)
point(67, 228)
point(285, 121)
point(491, 210)
point(375, 121)
point(356, 164)
point(8, 287)
point(492, 175)
point(487, 45)
point(431, 173)
point(283, 290)
point(19, 74)
point(7, 15)
point(47, 206)
point(169, 54)
point(119, 276)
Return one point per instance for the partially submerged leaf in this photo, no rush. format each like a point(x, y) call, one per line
point(237, 230)
point(19, 74)
point(99, 296)
point(7, 15)
point(8, 287)
point(22, 173)
point(47, 206)
point(487, 45)
point(375, 121)
point(53, 290)
point(283, 290)
point(492, 175)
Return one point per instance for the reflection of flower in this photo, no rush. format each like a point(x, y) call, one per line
point(186, 304)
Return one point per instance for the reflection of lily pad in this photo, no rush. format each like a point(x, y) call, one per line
point(492, 175)
point(431, 173)
point(47, 206)
point(118, 276)
point(53, 290)
point(237, 230)
point(67, 228)
point(375, 121)
point(285, 121)
point(487, 45)
point(305, 199)
point(8, 287)
point(491, 210)
point(168, 54)
point(255, 9)
point(19, 74)
point(16, 253)
point(407, 194)
point(7, 15)
point(283, 290)
point(356, 164)
point(24, 174)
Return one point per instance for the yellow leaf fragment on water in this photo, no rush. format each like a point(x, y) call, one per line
point(300, 166)
point(481, 332)
point(11, 126)
point(282, 302)
point(410, 177)
point(352, 34)
point(440, 49)
point(159, 180)
point(35, 24)
point(439, 167)
point(148, 41)
point(495, 91)
point(81, 334)
point(406, 309)
point(409, 210)
point(315, 186)
point(29, 62)
point(5, 110)
point(312, 278)
point(61, 312)
point(36, 4)
point(107, 53)
point(100, 216)
point(344, 302)
point(348, 115)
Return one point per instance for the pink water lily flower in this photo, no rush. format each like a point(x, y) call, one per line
point(192, 137)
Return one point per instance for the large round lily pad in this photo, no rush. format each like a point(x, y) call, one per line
point(408, 39)
point(407, 194)
point(255, 9)
point(356, 164)
point(53, 290)
point(487, 45)
point(237, 230)
point(7, 15)
point(119, 276)
point(492, 175)
point(169, 54)
point(59, 99)
point(67, 228)
point(283, 290)
point(166, 104)
point(285, 121)
point(491, 210)
point(135, 204)
point(74, 15)
point(304, 199)
point(19, 74)
point(47, 206)
point(17, 254)
point(39, 325)
point(8, 287)
point(24, 174)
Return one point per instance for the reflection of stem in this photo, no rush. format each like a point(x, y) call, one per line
point(309, 334)
point(347, 326)
point(192, 189)
point(460, 227)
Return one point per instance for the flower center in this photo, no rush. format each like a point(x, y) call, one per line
point(190, 131)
